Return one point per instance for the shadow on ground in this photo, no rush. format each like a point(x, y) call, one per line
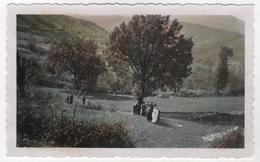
point(164, 123)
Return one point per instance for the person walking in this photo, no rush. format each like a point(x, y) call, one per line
point(84, 100)
point(68, 99)
point(71, 99)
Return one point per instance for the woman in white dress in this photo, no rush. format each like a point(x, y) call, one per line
point(155, 114)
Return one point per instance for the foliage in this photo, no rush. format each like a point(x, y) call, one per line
point(222, 70)
point(236, 80)
point(77, 56)
point(87, 134)
point(34, 130)
point(152, 50)
point(199, 77)
point(30, 126)
point(106, 81)
point(136, 90)
point(234, 139)
point(27, 71)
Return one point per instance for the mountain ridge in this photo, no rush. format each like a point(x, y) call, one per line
point(223, 22)
point(207, 40)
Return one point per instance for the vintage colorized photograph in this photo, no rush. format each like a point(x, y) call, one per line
point(137, 81)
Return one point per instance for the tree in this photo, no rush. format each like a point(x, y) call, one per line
point(222, 70)
point(27, 70)
point(237, 80)
point(210, 79)
point(78, 57)
point(151, 49)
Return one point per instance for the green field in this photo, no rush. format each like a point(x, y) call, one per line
point(168, 132)
point(174, 104)
point(124, 103)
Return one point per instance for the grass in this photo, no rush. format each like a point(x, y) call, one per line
point(168, 133)
point(125, 103)
point(55, 128)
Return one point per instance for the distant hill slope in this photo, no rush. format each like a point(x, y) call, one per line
point(40, 30)
point(207, 39)
point(223, 22)
point(107, 22)
point(36, 32)
point(47, 27)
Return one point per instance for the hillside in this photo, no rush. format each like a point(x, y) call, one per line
point(47, 27)
point(223, 22)
point(206, 38)
point(107, 22)
point(208, 41)
point(44, 28)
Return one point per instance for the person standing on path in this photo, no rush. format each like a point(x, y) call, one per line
point(84, 100)
point(71, 99)
point(155, 114)
point(68, 99)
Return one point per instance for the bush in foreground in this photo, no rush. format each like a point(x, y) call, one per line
point(234, 139)
point(34, 130)
point(89, 134)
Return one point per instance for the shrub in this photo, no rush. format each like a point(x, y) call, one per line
point(233, 139)
point(30, 126)
point(87, 134)
point(34, 130)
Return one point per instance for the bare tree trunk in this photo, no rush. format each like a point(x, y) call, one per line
point(76, 104)
point(141, 96)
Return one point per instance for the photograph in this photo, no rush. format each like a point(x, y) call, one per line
point(130, 81)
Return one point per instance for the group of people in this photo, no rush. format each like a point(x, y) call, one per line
point(70, 99)
point(150, 110)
